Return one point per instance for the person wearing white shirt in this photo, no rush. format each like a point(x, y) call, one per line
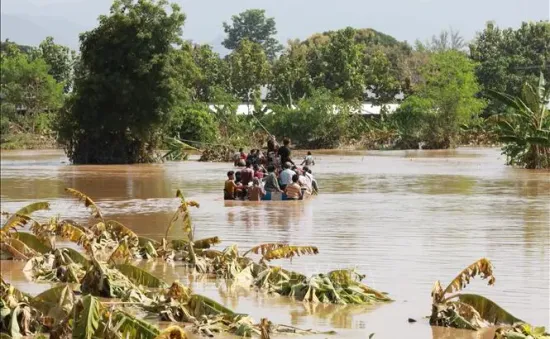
point(285, 177)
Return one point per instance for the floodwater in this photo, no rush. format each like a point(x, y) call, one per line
point(405, 219)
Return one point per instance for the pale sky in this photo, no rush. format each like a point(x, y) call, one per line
point(30, 21)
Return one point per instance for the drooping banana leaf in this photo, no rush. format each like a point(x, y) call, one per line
point(15, 254)
point(482, 267)
point(140, 277)
point(122, 231)
point(76, 257)
point(21, 247)
point(202, 306)
point(128, 326)
point(16, 220)
point(56, 302)
point(87, 317)
point(35, 206)
point(88, 202)
point(489, 310)
point(262, 249)
point(289, 252)
point(32, 242)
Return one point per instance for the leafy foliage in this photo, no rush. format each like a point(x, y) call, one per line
point(445, 100)
point(124, 71)
point(252, 25)
point(87, 317)
point(525, 130)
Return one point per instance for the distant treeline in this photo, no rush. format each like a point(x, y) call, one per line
point(135, 82)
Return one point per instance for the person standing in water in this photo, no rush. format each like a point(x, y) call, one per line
point(308, 160)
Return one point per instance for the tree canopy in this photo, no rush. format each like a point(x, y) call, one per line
point(254, 26)
point(124, 92)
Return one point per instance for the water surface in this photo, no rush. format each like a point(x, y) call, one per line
point(405, 219)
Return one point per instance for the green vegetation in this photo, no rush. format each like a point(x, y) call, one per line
point(135, 84)
point(525, 129)
point(103, 268)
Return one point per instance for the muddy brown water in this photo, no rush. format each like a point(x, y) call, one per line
point(405, 219)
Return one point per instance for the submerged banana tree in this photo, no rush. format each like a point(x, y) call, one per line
point(526, 130)
point(450, 308)
point(11, 244)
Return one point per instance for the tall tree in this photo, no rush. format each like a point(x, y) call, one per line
point(442, 102)
point(252, 25)
point(338, 65)
point(290, 80)
point(508, 58)
point(60, 59)
point(249, 70)
point(214, 73)
point(123, 92)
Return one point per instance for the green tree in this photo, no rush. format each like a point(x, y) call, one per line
point(26, 85)
point(124, 91)
point(508, 58)
point(290, 79)
point(525, 129)
point(249, 70)
point(312, 122)
point(445, 99)
point(252, 25)
point(194, 122)
point(60, 59)
point(381, 78)
point(214, 73)
point(338, 65)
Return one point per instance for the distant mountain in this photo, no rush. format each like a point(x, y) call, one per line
point(31, 30)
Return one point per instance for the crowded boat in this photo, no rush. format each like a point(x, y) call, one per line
point(271, 176)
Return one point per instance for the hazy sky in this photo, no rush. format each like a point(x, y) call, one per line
point(29, 21)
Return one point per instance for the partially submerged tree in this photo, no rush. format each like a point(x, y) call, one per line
point(124, 92)
point(443, 101)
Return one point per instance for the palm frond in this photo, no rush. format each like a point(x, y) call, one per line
point(483, 267)
point(88, 202)
point(289, 252)
point(140, 277)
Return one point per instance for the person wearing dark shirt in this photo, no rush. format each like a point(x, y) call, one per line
point(284, 152)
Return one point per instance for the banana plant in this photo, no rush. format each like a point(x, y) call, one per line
point(525, 130)
point(450, 308)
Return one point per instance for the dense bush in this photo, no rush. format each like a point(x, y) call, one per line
point(194, 122)
point(319, 121)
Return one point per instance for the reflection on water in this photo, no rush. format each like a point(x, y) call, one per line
point(404, 218)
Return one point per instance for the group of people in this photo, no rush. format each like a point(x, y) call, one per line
point(277, 173)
